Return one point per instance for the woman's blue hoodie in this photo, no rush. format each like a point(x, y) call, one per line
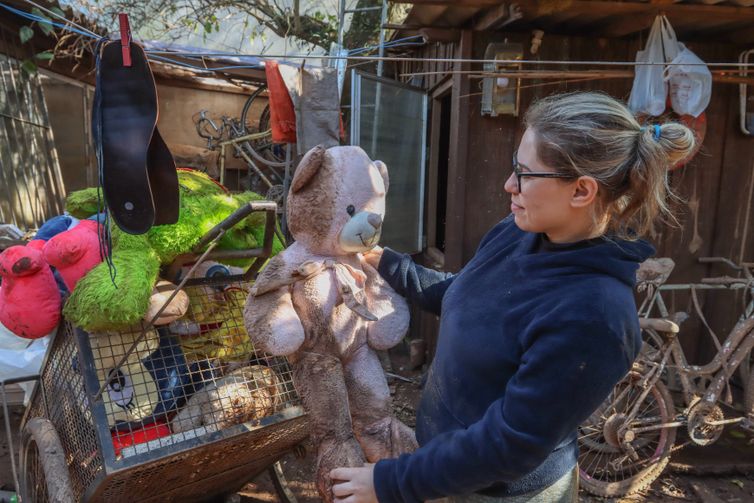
point(533, 336)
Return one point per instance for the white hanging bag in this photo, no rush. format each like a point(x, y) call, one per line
point(650, 91)
point(690, 83)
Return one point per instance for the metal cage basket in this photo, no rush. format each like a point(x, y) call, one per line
point(180, 412)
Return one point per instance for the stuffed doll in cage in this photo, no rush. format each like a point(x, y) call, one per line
point(323, 306)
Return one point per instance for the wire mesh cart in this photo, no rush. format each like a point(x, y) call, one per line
point(183, 411)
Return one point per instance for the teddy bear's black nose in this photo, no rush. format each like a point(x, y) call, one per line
point(374, 220)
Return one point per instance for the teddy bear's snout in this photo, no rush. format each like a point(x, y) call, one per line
point(374, 220)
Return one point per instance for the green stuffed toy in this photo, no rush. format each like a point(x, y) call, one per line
point(96, 305)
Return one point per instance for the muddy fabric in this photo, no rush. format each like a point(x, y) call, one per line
point(316, 100)
point(564, 490)
point(531, 341)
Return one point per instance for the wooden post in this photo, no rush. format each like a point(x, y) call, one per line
point(457, 156)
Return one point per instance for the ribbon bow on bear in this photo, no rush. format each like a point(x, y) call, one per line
point(350, 283)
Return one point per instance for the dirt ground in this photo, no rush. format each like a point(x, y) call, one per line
point(723, 472)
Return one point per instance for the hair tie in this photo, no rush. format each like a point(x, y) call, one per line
point(656, 134)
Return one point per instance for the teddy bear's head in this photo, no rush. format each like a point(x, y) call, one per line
point(20, 261)
point(336, 204)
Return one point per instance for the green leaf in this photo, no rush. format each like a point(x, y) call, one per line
point(25, 33)
point(44, 55)
point(208, 26)
point(29, 67)
point(58, 11)
point(738, 483)
point(737, 434)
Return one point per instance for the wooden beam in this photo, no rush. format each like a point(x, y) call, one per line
point(452, 3)
point(492, 17)
point(537, 8)
point(444, 35)
point(457, 158)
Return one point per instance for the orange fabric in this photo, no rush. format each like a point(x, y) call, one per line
point(282, 114)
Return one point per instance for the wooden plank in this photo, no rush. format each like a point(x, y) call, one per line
point(536, 8)
point(459, 127)
point(492, 17)
point(453, 3)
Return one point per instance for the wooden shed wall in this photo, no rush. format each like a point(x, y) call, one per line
point(717, 187)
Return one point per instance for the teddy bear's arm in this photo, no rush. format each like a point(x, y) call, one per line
point(390, 309)
point(272, 323)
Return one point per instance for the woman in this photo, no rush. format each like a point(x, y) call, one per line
point(541, 324)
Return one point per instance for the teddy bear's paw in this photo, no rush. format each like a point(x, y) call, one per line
point(403, 438)
point(385, 438)
point(335, 454)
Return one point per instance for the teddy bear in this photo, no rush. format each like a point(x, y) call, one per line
point(244, 394)
point(29, 296)
point(31, 292)
point(324, 307)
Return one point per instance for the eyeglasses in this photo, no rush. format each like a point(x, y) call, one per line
point(518, 167)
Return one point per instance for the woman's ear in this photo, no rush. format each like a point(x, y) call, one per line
point(308, 167)
point(585, 192)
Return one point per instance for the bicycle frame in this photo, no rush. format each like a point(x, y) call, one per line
point(731, 354)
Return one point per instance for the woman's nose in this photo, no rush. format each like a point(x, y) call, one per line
point(511, 184)
point(374, 220)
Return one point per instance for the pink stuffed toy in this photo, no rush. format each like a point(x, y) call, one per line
point(74, 252)
point(29, 298)
point(321, 304)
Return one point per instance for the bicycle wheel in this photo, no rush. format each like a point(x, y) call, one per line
point(607, 467)
point(263, 147)
point(44, 472)
point(247, 123)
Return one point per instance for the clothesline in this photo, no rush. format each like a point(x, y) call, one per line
point(162, 54)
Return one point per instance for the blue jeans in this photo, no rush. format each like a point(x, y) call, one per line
point(563, 490)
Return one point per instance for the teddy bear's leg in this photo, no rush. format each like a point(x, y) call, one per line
point(320, 383)
point(380, 434)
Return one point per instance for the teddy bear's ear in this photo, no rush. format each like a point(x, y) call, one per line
point(308, 167)
point(383, 171)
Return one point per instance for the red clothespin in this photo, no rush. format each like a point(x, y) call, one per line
point(125, 38)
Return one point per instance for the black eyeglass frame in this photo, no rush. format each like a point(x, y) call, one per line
point(520, 174)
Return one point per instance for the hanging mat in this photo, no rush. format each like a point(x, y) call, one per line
point(136, 169)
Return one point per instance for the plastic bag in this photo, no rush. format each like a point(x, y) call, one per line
point(21, 357)
point(650, 91)
point(690, 83)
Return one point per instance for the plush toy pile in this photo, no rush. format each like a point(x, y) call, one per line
point(61, 274)
point(322, 305)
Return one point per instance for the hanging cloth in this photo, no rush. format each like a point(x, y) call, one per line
point(314, 92)
point(282, 115)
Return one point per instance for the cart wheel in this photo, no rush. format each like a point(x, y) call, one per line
point(44, 472)
point(281, 484)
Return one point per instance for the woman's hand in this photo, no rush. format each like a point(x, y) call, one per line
point(373, 256)
point(354, 485)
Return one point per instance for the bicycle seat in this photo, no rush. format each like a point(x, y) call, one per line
point(654, 271)
point(659, 325)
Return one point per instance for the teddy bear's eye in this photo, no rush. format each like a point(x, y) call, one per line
point(351, 210)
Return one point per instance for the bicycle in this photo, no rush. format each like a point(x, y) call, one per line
point(252, 143)
point(627, 442)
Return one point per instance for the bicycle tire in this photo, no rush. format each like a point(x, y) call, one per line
point(746, 371)
point(600, 484)
point(281, 484)
point(44, 471)
point(247, 107)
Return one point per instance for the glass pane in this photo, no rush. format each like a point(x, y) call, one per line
point(391, 128)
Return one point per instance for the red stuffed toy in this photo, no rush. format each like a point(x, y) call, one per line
point(74, 252)
point(29, 298)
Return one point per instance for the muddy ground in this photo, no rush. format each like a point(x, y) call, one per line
point(723, 472)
